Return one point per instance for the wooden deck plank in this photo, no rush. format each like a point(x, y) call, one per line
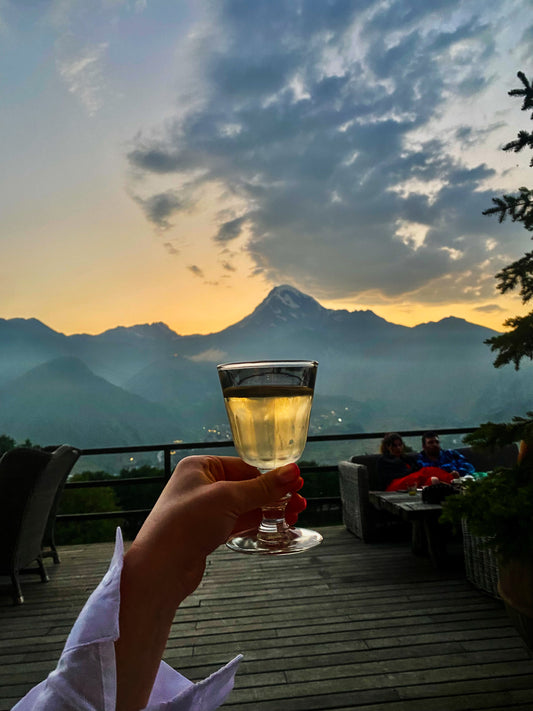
point(347, 626)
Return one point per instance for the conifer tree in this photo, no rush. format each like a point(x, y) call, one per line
point(517, 343)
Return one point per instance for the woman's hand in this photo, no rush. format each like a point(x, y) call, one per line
point(206, 500)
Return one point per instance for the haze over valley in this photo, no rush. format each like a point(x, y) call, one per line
point(146, 384)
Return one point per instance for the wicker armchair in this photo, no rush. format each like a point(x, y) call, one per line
point(356, 478)
point(359, 476)
point(29, 481)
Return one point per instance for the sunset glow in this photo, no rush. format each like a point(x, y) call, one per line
point(173, 162)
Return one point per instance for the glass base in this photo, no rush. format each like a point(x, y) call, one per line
point(295, 540)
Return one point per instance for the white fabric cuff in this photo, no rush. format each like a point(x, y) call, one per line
point(85, 677)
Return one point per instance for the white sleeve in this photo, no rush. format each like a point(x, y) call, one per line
point(85, 677)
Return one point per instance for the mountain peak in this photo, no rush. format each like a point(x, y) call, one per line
point(453, 324)
point(146, 331)
point(289, 296)
point(63, 366)
point(284, 304)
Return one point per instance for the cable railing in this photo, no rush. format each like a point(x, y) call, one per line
point(316, 504)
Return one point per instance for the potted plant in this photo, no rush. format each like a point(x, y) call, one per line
point(499, 509)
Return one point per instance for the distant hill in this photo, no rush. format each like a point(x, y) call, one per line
point(147, 384)
point(25, 343)
point(63, 401)
point(120, 352)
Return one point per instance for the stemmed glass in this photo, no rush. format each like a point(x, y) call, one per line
point(269, 405)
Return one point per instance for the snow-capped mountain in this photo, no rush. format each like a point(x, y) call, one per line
point(379, 374)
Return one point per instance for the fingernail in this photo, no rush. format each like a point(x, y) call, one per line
point(291, 472)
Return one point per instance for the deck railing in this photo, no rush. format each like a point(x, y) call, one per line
point(315, 504)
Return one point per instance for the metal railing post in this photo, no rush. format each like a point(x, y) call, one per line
point(167, 458)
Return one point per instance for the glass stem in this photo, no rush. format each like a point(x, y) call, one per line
point(274, 528)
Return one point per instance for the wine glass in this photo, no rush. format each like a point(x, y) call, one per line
point(269, 405)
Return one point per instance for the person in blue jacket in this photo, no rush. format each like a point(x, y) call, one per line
point(450, 460)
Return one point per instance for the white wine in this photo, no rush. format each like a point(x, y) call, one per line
point(269, 422)
point(269, 404)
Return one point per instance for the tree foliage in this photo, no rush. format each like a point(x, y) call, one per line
point(517, 343)
point(500, 506)
point(6, 443)
point(142, 496)
point(90, 500)
point(493, 435)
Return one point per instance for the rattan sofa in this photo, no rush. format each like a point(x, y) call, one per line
point(359, 476)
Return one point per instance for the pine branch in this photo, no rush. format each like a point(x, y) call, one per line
point(519, 273)
point(518, 207)
point(523, 140)
point(515, 344)
point(492, 435)
point(526, 92)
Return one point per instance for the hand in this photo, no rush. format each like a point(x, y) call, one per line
point(206, 499)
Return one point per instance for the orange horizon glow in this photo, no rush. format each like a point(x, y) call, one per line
point(213, 310)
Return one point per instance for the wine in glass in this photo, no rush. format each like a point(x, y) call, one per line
point(269, 405)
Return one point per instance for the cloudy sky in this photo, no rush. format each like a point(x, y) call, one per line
point(168, 160)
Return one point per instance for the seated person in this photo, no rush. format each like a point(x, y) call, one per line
point(397, 471)
point(448, 460)
point(394, 463)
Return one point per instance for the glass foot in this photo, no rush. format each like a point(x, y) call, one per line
point(295, 540)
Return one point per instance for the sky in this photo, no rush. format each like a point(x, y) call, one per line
point(174, 160)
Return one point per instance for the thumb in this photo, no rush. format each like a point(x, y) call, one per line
point(267, 488)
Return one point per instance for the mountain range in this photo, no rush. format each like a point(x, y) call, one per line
point(146, 384)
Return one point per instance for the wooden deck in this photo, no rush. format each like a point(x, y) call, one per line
point(346, 626)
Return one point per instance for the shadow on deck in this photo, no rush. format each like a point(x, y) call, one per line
point(345, 626)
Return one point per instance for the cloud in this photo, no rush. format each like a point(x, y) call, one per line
point(344, 129)
point(88, 41)
point(212, 355)
point(489, 309)
point(82, 72)
point(160, 207)
point(194, 269)
point(171, 249)
point(230, 230)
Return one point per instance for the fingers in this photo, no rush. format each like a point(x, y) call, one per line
point(240, 490)
point(296, 505)
point(234, 469)
point(267, 488)
point(231, 469)
point(251, 519)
